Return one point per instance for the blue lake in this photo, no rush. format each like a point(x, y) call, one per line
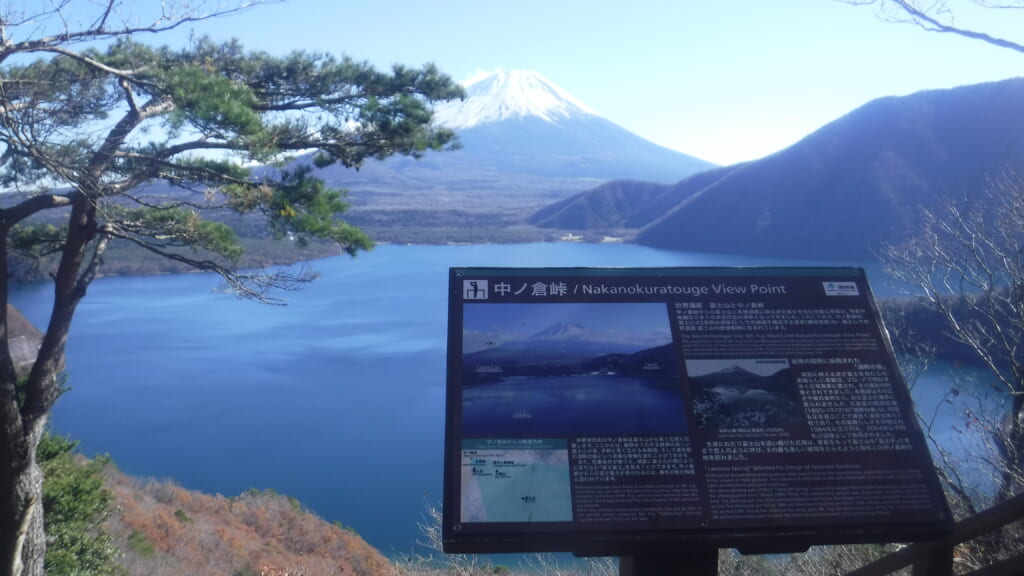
point(336, 399)
point(602, 404)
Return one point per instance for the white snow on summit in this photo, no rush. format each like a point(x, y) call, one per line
point(561, 331)
point(507, 94)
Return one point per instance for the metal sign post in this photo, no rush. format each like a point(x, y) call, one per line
point(692, 563)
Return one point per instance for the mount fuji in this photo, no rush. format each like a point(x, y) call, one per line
point(561, 331)
point(507, 95)
point(522, 122)
point(526, 144)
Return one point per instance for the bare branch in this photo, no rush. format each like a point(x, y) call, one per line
point(966, 266)
point(89, 271)
point(173, 204)
point(101, 23)
point(1015, 5)
point(250, 285)
point(928, 18)
point(100, 29)
point(11, 216)
point(79, 57)
point(117, 136)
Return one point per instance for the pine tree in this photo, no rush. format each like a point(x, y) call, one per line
point(91, 119)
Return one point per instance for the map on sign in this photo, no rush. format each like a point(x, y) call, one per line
point(515, 481)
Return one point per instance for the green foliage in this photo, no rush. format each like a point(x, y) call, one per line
point(342, 526)
point(210, 101)
point(140, 544)
point(52, 447)
point(19, 388)
point(37, 239)
point(304, 206)
point(259, 492)
point(210, 172)
point(107, 122)
point(76, 503)
point(34, 247)
point(292, 501)
point(178, 227)
point(182, 516)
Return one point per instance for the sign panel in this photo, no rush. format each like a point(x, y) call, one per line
point(607, 410)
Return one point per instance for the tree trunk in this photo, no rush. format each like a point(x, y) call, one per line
point(22, 538)
point(23, 545)
point(1013, 451)
point(33, 543)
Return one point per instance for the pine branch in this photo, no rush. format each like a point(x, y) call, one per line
point(249, 286)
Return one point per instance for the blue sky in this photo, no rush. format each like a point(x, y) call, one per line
point(724, 81)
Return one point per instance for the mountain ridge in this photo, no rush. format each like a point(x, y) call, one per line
point(842, 192)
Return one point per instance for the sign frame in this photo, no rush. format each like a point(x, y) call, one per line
point(787, 296)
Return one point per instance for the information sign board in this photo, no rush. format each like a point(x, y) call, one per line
point(606, 411)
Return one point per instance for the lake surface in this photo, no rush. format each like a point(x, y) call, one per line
point(602, 404)
point(336, 399)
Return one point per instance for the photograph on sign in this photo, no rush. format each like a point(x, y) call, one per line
point(567, 369)
point(742, 393)
point(599, 410)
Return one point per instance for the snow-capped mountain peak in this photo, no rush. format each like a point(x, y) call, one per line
point(509, 94)
point(736, 370)
point(561, 331)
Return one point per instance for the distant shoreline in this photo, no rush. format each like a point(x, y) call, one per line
point(125, 260)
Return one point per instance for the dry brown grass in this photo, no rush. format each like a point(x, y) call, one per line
point(167, 530)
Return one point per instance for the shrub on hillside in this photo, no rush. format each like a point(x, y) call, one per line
point(76, 503)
